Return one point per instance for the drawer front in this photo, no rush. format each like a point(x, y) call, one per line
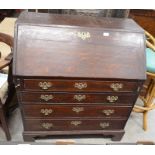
point(78, 85)
point(73, 124)
point(105, 98)
point(49, 111)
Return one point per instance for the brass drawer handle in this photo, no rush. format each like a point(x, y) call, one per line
point(79, 97)
point(108, 112)
point(80, 85)
point(46, 112)
point(104, 125)
point(77, 109)
point(116, 86)
point(45, 85)
point(46, 97)
point(47, 125)
point(112, 98)
point(76, 123)
point(83, 35)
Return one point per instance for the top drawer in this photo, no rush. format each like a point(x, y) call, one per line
point(78, 85)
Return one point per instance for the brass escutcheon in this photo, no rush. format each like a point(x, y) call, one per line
point(80, 85)
point(104, 125)
point(116, 86)
point(83, 35)
point(79, 97)
point(47, 125)
point(112, 98)
point(77, 109)
point(46, 97)
point(46, 112)
point(45, 85)
point(76, 123)
point(108, 112)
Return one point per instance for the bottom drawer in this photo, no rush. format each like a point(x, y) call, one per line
point(73, 124)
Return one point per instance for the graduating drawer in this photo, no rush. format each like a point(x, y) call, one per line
point(105, 98)
point(49, 111)
point(73, 124)
point(79, 85)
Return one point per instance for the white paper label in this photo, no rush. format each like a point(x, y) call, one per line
point(105, 34)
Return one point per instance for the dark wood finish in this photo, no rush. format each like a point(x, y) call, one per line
point(115, 135)
point(97, 37)
point(71, 85)
point(50, 111)
point(83, 53)
point(67, 55)
point(64, 124)
point(78, 98)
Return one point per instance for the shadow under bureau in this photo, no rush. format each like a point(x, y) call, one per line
point(77, 75)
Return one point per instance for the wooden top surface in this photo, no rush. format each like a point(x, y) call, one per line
point(50, 46)
point(78, 21)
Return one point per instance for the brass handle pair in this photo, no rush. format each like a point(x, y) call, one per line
point(107, 112)
point(80, 98)
point(114, 86)
point(50, 125)
point(74, 123)
point(47, 85)
point(47, 112)
point(102, 124)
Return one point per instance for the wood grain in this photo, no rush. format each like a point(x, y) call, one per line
point(77, 75)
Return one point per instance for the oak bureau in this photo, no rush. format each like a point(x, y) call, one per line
point(77, 75)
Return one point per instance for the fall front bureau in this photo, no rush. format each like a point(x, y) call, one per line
point(77, 75)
